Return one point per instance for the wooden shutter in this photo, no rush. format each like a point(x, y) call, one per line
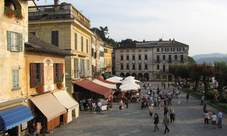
point(32, 75)
point(8, 40)
point(61, 71)
point(15, 78)
point(75, 41)
point(54, 72)
point(42, 74)
point(20, 43)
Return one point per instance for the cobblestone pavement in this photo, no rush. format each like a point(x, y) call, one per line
point(137, 122)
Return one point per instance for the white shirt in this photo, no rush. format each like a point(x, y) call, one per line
point(214, 117)
point(99, 104)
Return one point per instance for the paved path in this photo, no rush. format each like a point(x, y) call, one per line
point(136, 122)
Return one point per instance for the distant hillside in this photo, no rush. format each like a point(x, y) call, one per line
point(210, 58)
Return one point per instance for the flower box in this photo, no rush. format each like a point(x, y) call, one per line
point(13, 13)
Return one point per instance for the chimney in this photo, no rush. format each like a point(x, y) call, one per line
point(56, 2)
point(173, 41)
point(143, 40)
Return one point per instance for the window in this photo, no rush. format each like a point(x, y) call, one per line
point(133, 57)
point(158, 59)
point(87, 45)
point(164, 67)
point(170, 59)
point(164, 57)
point(122, 58)
point(139, 57)
point(54, 38)
point(158, 76)
point(140, 67)
point(133, 67)
point(127, 67)
point(122, 66)
point(182, 58)
point(82, 43)
point(175, 56)
point(127, 57)
point(101, 54)
point(34, 33)
point(157, 49)
point(58, 72)
point(36, 74)
point(105, 51)
point(75, 41)
point(157, 67)
point(145, 57)
point(14, 41)
point(16, 83)
point(145, 66)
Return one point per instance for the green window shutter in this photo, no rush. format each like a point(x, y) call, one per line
point(21, 43)
point(15, 78)
point(8, 40)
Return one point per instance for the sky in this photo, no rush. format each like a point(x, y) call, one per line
point(201, 24)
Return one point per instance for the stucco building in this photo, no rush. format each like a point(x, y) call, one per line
point(150, 60)
point(65, 27)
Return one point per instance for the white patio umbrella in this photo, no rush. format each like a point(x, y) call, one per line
point(129, 85)
point(115, 79)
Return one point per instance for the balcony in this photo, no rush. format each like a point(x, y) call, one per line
point(57, 12)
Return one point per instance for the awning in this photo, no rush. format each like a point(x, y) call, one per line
point(111, 86)
point(14, 116)
point(89, 85)
point(65, 99)
point(49, 106)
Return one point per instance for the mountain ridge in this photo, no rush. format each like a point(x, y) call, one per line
point(209, 58)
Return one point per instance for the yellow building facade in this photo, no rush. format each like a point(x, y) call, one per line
point(13, 96)
point(64, 26)
point(108, 58)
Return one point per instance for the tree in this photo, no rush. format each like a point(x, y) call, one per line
point(220, 75)
point(207, 72)
point(196, 73)
point(183, 71)
point(173, 70)
point(191, 60)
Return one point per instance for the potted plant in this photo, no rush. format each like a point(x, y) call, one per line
point(13, 13)
point(9, 12)
point(59, 84)
point(39, 88)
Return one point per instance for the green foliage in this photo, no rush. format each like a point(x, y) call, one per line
point(221, 105)
point(191, 60)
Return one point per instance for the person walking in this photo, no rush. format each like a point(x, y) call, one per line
point(99, 104)
point(206, 118)
point(202, 100)
point(187, 98)
point(219, 119)
point(156, 121)
point(179, 98)
point(166, 109)
point(93, 107)
point(151, 109)
point(165, 122)
point(171, 114)
point(214, 118)
point(120, 105)
point(126, 103)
